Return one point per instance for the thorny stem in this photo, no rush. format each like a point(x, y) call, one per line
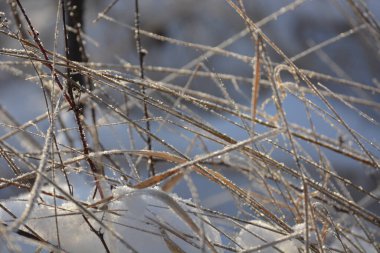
point(71, 102)
point(43, 51)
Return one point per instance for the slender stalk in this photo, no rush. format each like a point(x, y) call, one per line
point(141, 54)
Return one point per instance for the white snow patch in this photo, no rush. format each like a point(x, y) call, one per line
point(259, 233)
point(143, 221)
